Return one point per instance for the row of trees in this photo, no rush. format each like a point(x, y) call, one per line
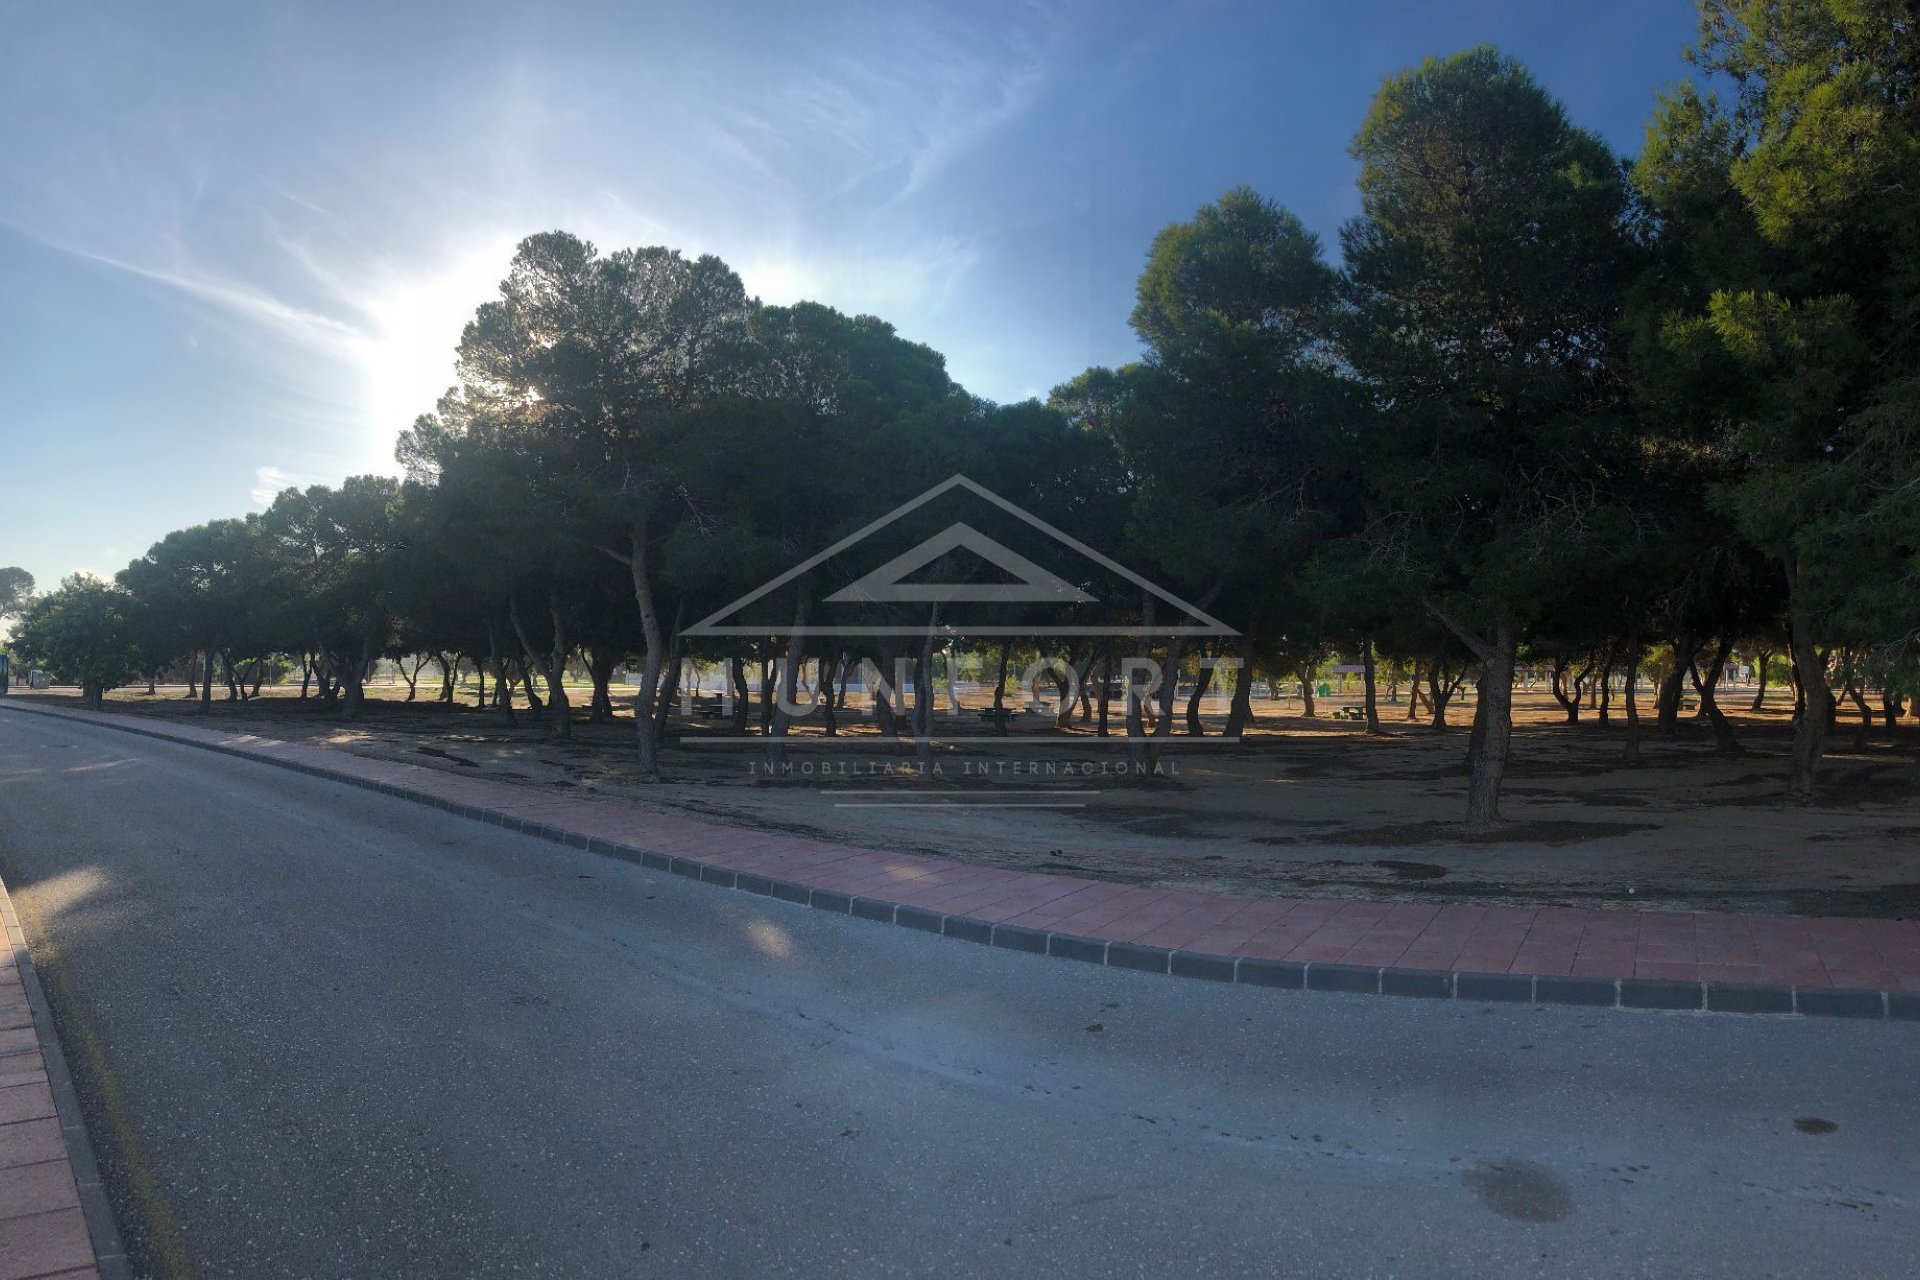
point(1550, 406)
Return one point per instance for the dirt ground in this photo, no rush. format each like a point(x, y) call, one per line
point(1300, 807)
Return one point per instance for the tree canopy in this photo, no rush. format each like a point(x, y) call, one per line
point(1548, 409)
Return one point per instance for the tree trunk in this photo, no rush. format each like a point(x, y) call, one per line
point(1810, 677)
point(206, 685)
point(1671, 689)
point(555, 667)
point(823, 698)
point(1240, 711)
point(769, 671)
point(1106, 688)
point(1068, 684)
point(353, 684)
point(1372, 696)
point(953, 681)
point(1000, 688)
point(1169, 685)
point(1866, 717)
point(1630, 697)
point(1494, 719)
point(1608, 665)
point(788, 677)
point(646, 730)
point(502, 695)
point(1138, 753)
point(1306, 691)
point(1760, 661)
point(1557, 685)
point(1440, 690)
point(600, 664)
point(1723, 735)
point(669, 692)
point(1194, 728)
point(737, 675)
point(923, 694)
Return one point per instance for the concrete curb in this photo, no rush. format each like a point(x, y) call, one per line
point(1518, 988)
point(103, 1231)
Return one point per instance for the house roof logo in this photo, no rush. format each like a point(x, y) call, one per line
point(894, 581)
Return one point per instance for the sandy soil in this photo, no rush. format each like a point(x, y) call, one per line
point(1300, 807)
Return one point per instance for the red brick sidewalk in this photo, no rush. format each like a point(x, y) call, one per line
point(1662, 959)
point(43, 1231)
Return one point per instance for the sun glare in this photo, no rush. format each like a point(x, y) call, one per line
point(407, 358)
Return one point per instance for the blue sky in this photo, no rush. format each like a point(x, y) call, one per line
point(237, 243)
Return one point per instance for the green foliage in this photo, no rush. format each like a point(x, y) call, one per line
point(1544, 404)
point(80, 633)
point(16, 591)
point(1488, 272)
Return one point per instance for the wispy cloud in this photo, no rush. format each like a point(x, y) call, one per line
point(270, 482)
point(901, 104)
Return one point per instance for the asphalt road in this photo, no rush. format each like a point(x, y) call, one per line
point(322, 1032)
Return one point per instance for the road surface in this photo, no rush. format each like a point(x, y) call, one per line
point(323, 1032)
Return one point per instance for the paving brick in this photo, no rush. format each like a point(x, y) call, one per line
point(31, 1142)
point(22, 1068)
point(1677, 972)
point(1271, 944)
point(37, 1188)
point(1318, 950)
point(1860, 979)
point(25, 1102)
point(1559, 963)
point(43, 1244)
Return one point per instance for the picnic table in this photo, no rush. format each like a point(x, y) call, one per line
point(999, 717)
